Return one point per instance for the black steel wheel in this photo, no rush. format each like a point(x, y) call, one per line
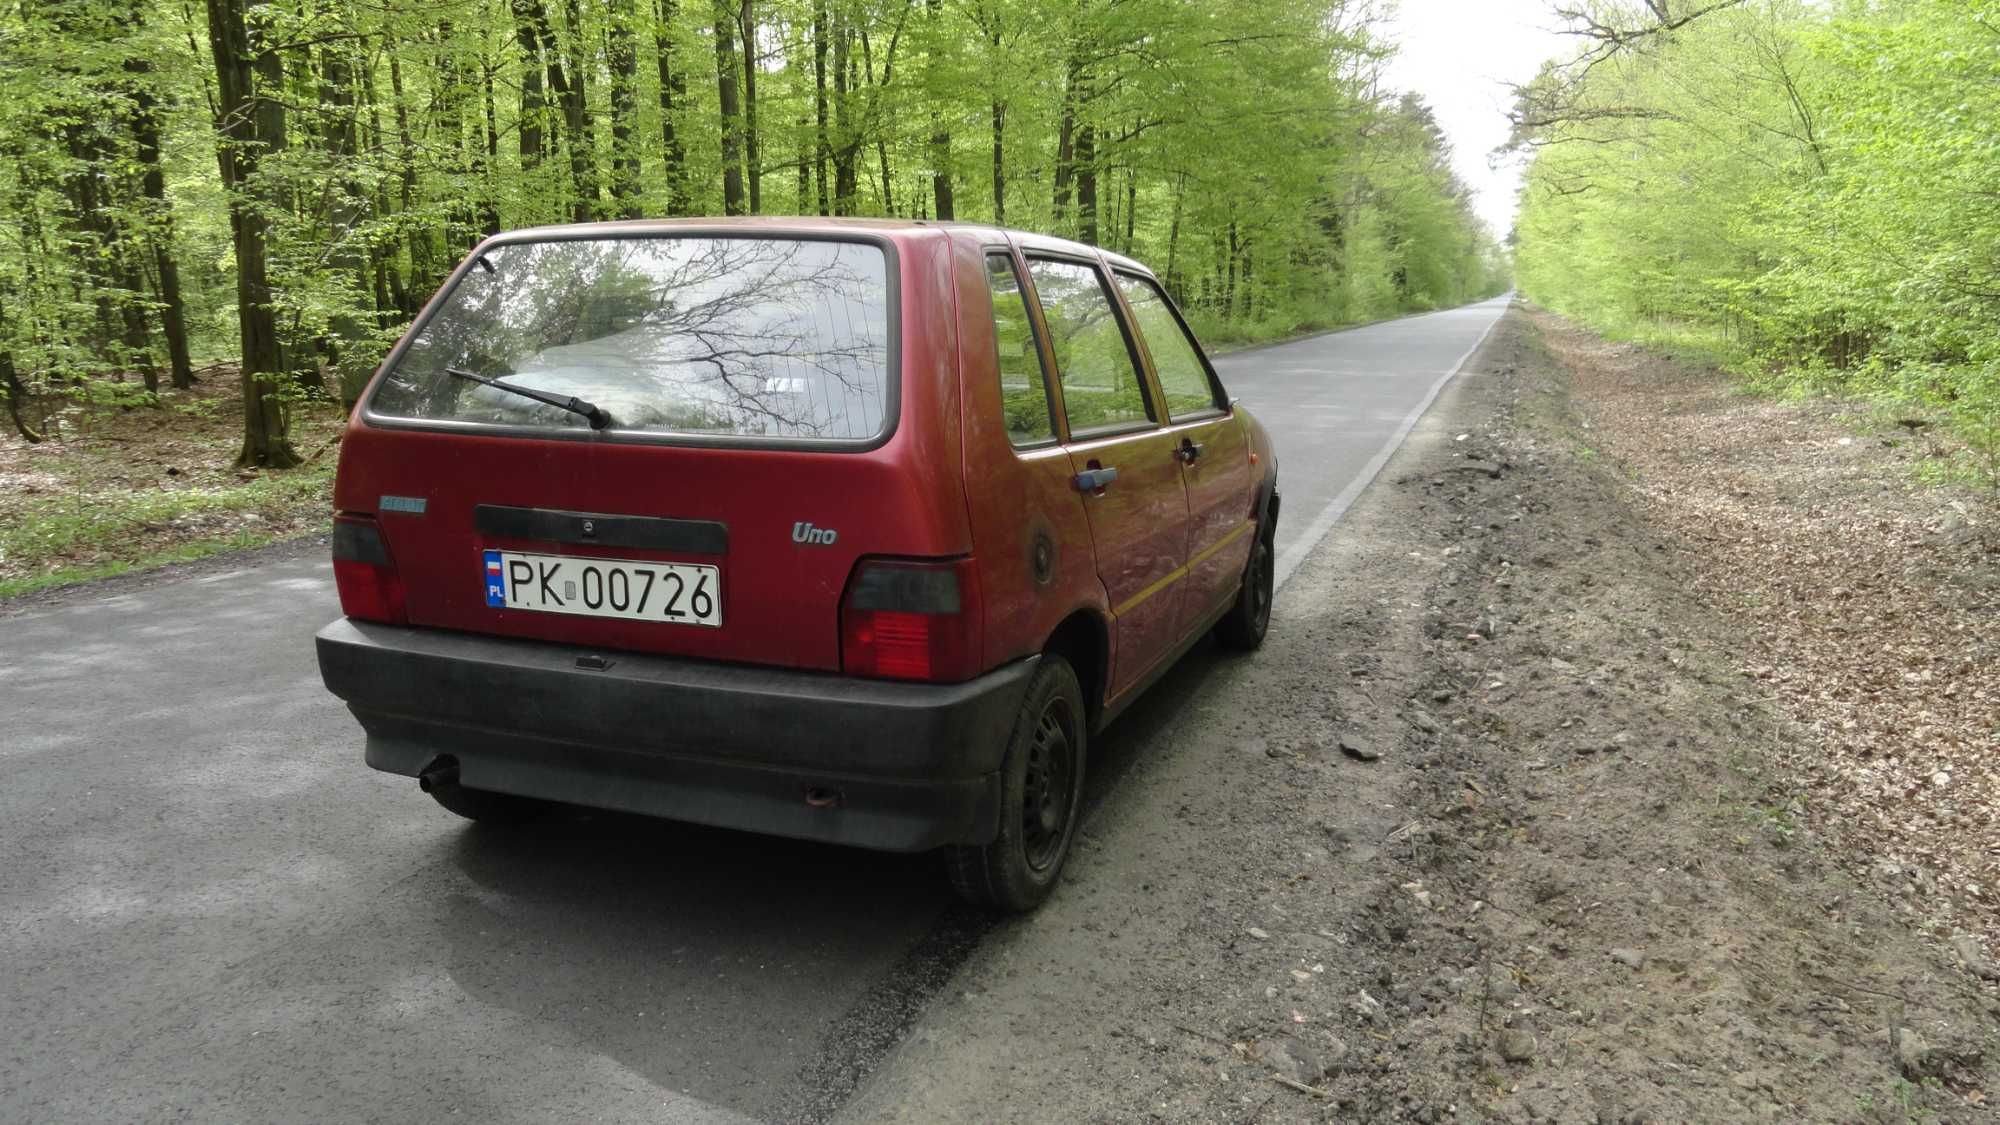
point(1041, 796)
point(1048, 791)
point(1244, 626)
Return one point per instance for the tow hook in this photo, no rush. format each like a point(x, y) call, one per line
point(440, 775)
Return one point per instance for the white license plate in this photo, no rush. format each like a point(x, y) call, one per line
point(637, 591)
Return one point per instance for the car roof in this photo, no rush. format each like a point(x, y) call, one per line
point(778, 224)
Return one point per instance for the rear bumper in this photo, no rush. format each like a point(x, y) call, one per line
point(914, 766)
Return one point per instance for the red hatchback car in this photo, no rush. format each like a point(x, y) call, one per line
point(850, 531)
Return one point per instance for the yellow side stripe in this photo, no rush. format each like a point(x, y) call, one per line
point(1181, 572)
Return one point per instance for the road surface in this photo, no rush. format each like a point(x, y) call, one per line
point(211, 910)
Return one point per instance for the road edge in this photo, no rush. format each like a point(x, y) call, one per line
point(1326, 517)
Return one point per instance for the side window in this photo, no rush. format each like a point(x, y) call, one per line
point(1100, 382)
point(1183, 376)
point(1024, 396)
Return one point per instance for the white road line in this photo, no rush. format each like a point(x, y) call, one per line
point(1337, 507)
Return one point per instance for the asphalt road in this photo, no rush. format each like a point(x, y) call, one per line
point(211, 910)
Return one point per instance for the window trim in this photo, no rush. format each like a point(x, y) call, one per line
point(1220, 405)
point(1141, 369)
point(1044, 361)
point(892, 396)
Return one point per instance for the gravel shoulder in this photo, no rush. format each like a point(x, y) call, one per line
point(1571, 885)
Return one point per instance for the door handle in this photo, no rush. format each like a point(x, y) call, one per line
point(1095, 478)
point(1189, 452)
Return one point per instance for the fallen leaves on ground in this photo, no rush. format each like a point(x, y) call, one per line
point(1871, 600)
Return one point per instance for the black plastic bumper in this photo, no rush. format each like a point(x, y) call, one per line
point(892, 766)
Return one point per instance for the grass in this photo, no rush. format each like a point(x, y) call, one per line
point(118, 489)
point(64, 525)
point(78, 536)
point(184, 552)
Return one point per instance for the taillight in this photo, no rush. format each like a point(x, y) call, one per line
point(370, 588)
point(911, 620)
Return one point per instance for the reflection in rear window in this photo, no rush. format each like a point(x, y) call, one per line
point(749, 337)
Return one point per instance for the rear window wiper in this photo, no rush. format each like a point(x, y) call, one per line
point(591, 412)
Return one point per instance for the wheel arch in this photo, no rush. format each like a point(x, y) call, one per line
point(1084, 641)
point(1264, 503)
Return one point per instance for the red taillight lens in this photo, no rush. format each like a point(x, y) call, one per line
point(370, 588)
point(908, 620)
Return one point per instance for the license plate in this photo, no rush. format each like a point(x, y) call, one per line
point(682, 593)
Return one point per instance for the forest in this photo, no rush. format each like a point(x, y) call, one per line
point(267, 191)
point(1808, 191)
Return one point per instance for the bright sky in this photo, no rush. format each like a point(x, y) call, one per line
point(1460, 56)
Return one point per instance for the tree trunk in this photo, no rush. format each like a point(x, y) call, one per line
point(10, 385)
point(941, 202)
point(159, 220)
point(12, 388)
point(1172, 278)
point(820, 146)
point(138, 340)
point(534, 107)
point(250, 124)
point(846, 147)
point(888, 197)
point(1066, 144)
point(673, 95)
point(881, 146)
point(456, 150)
point(417, 237)
point(582, 135)
point(1000, 163)
point(1229, 288)
point(1086, 183)
point(802, 129)
point(489, 204)
point(732, 117)
point(534, 17)
point(339, 138)
point(80, 182)
point(747, 22)
point(391, 298)
point(624, 61)
point(1131, 204)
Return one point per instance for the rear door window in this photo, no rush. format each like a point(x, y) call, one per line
point(1101, 388)
point(773, 338)
point(1177, 362)
point(1024, 392)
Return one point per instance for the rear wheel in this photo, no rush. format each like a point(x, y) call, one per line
point(1244, 626)
point(1041, 796)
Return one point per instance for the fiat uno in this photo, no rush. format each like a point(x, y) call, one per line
point(843, 530)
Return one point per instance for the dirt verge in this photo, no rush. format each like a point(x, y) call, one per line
point(1865, 596)
point(1565, 888)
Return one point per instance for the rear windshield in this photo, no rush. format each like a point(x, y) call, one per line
point(786, 339)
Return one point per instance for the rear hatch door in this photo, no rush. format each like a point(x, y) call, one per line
point(751, 454)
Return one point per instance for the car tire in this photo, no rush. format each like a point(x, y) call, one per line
point(1244, 626)
point(487, 806)
point(1041, 798)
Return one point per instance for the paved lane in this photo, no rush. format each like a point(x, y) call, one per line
point(1338, 405)
point(210, 909)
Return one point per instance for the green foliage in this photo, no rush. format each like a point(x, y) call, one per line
point(1806, 190)
point(1237, 146)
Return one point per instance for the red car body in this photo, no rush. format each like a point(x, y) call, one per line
point(776, 720)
